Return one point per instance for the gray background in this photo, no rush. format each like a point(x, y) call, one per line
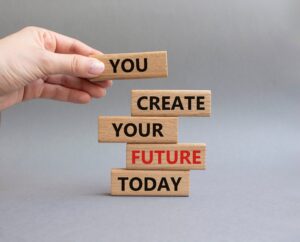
point(55, 177)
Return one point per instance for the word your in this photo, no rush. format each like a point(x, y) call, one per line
point(143, 129)
point(150, 183)
point(128, 65)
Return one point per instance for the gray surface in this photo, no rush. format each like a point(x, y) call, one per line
point(54, 176)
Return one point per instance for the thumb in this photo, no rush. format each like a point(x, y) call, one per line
point(75, 65)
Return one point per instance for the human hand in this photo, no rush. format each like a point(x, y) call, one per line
point(39, 63)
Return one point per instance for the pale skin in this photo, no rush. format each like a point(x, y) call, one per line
point(39, 63)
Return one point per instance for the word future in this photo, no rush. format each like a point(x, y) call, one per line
point(139, 182)
point(166, 156)
point(171, 102)
point(137, 129)
point(133, 65)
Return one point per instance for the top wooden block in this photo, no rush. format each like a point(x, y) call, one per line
point(171, 103)
point(133, 65)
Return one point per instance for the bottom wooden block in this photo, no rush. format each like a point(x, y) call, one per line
point(149, 183)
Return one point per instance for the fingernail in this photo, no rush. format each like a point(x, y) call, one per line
point(96, 67)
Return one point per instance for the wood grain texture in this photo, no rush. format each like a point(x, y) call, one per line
point(133, 65)
point(137, 129)
point(166, 156)
point(149, 183)
point(171, 103)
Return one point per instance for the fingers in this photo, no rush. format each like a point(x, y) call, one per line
point(94, 90)
point(104, 84)
point(61, 93)
point(70, 64)
point(68, 56)
point(39, 89)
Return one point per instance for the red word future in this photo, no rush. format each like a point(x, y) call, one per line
point(166, 156)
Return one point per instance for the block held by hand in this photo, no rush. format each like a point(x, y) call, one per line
point(133, 65)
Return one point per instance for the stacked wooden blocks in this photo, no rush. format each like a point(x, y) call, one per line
point(156, 164)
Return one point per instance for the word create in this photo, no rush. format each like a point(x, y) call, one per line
point(149, 183)
point(171, 103)
point(128, 65)
point(170, 157)
point(142, 129)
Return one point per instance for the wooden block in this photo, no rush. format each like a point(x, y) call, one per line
point(133, 65)
point(149, 183)
point(171, 103)
point(137, 129)
point(165, 156)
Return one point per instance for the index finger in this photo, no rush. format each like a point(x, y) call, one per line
point(68, 45)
